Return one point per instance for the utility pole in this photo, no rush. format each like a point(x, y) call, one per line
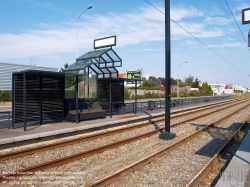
point(167, 134)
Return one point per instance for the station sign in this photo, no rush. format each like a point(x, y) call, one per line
point(105, 42)
point(245, 16)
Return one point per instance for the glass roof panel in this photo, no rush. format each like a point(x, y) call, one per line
point(102, 61)
point(112, 70)
point(114, 56)
point(93, 54)
point(95, 60)
point(117, 64)
point(110, 64)
point(96, 69)
point(102, 65)
point(106, 58)
point(105, 70)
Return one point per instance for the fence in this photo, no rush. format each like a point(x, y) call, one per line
point(151, 105)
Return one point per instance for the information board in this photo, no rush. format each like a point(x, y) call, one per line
point(132, 76)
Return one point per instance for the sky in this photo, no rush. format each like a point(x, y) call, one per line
point(203, 33)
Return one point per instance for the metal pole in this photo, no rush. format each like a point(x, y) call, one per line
point(13, 100)
point(167, 65)
point(76, 85)
point(90, 6)
point(9, 120)
point(178, 83)
point(24, 101)
point(41, 100)
point(110, 96)
point(167, 135)
point(135, 96)
point(178, 89)
point(88, 81)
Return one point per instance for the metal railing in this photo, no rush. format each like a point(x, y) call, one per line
point(151, 105)
point(8, 113)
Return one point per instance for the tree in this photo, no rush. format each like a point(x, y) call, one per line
point(148, 84)
point(189, 80)
point(65, 66)
point(70, 81)
point(173, 81)
point(196, 83)
point(206, 87)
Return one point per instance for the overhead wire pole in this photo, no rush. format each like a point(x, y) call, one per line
point(167, 134)
point(199, 40)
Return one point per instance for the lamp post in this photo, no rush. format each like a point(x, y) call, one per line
point(178, 88)
point(213, 79)
point(89, 7)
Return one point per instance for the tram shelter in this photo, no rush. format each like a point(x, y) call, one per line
point(39, 96)
point(102, 65)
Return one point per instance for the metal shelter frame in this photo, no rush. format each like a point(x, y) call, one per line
point(102, 62)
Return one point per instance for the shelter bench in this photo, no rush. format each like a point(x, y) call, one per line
point(87, 109)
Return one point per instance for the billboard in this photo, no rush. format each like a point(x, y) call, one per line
point(105, 42)
point(132, 76)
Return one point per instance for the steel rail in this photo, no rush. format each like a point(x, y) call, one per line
point(77, 156)
point(215, 159)
point(131, 168)
point(33, 150)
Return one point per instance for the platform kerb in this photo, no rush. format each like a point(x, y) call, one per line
point(166, 135)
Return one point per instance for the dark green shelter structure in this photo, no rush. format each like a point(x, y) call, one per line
point(39, 96)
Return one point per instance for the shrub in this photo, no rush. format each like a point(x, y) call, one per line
point(69, 93)
point(5, 95)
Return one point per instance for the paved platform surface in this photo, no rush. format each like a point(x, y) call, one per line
point(237, 172)
point(49, 129)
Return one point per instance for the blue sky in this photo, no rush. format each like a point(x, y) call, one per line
point(45, 31)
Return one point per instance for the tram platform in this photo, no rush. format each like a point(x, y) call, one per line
point(237, 173)
point(59, 128)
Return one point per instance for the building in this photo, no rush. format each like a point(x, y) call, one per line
point(6, 70)
point(222, 89)
point(240, 88)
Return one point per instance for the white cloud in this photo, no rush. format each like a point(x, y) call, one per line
point(180, 12)
point(217, 20)
point(144, 25)
point(230, 45)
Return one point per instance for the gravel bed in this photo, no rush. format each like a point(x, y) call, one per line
point(30, 160)
point(50, 142)
point(128, 153)
point(180, 165)
point(199, 113)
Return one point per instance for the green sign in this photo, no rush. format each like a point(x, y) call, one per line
point(134, 75)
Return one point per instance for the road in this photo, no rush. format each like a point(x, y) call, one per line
point(4, 116)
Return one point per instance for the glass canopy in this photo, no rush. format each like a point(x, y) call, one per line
point(103, 62)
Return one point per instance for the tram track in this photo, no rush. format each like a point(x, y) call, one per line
point(78, 156)
point(211, 172)
point(117, 176)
